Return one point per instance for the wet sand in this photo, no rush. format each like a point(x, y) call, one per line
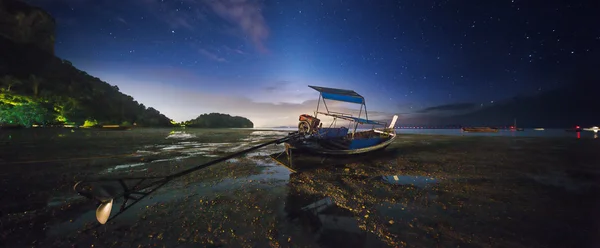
point(422, 191)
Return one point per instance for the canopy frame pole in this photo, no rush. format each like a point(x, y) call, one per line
point(318, 103)
point(325, 104)
point(366, 114)
point(356, 124)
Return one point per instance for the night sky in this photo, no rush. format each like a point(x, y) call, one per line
point(256, 59)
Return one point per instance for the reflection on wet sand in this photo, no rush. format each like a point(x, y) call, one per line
point(331, 225)
point(346, 206)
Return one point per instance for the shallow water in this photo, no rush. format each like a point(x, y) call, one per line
point(510, 184)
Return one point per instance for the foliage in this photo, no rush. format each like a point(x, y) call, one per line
point(26, 114)
point(217, 120)
point(35, 84)
point(90, 123)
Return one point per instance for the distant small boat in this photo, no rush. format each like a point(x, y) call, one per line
point(575, 129)
point(539, 129)
point(480, 129)
point(515, 128)
point(592, 129)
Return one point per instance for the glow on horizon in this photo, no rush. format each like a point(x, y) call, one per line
point(182, 105)
point(183, 95)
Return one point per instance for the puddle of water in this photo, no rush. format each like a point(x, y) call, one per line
point(257, 154)
point(140, 153)
point(417, 181)
point(62, 200)
point(340, 223)
point(232, 160)
point(170, 159)
point(332, 225)
point(188, 142)
point(235, 148)
point(124, 166)
point(561, 180)
point(180, 135)
point(272, 172)
point(173, 147)
point(268, 133)
point(213, 144)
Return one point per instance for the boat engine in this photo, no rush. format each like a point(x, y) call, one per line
point(308, 124)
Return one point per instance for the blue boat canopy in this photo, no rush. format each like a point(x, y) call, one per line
point(339, 94)
point(365, 121)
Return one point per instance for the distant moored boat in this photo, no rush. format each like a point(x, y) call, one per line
point(575, 129)
point(592, 129)
point(480, 129)
point(515, 128)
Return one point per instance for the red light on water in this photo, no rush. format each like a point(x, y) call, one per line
point(578, 135)
point(577, 127)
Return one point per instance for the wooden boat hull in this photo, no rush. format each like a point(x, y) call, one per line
point(328, 146)
point(301, 162)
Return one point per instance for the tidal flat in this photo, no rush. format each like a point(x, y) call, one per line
point(422, 191)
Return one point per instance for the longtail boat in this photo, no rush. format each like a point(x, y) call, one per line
point(334, 140)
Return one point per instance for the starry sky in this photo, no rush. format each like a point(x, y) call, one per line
point(256, 58)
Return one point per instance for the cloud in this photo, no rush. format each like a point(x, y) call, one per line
point(233, 50)
point(277, 86)
point(174, 15)
point(176, 21)
point(120, 19)
point(245, 15)
point(449, 107)
point(211, 56)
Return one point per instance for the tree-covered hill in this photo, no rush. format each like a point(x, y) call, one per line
point(37, 87)
point(217, 120)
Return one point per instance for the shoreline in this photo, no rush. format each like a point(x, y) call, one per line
point(547, 133)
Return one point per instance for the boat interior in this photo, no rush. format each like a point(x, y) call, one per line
point(340, 139)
